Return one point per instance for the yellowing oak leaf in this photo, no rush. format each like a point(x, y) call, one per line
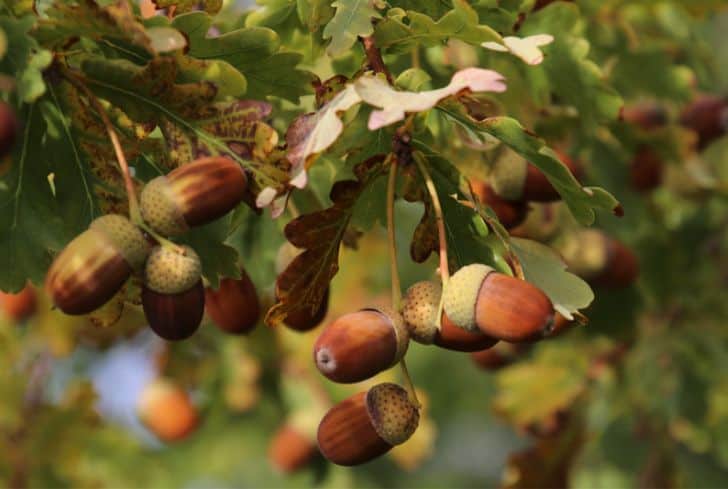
point(395, 104)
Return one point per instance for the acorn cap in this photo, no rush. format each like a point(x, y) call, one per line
point(508, 175)
point(125, 237)
point(419, 310)
point(393, 415)
point(159, 208)
point(170, 272)
point(461, 295)
point(400, 330)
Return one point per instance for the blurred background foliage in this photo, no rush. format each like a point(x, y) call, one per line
point(638, 397)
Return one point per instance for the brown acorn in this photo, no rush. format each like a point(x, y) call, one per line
point(707, 115)
point(234, 306)
point(173, 297)
point(8, 128)
point(646, 115)
point(514, 179)
point(290, 450)
point(600, 259)
point(367, 425)
point(19, 307)
point(192, 194)
point(646, 169)
point(479, 299)
point(361, 344)
point(95, 265)
point(542, 223)
point(510, 214)
point(419, 311)
point(167, 411)
point(562, 325)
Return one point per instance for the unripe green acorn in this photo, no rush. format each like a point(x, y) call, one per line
point(367, 425)
point(515, 179)
point(419, 311)
point(479, 299)
point(94, 266)
point(359, 345)
point(192, 195)
point(173, 297)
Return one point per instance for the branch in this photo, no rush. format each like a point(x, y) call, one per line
point(374, 58)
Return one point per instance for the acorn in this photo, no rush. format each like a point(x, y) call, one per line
point(514, 179)
point(192, 195)
point(361, 344)
point(167, 411)
point(234, 306)
point(707, 115)
point(600, 259)
point(367, 425)
point(646, 169)
point(290, 450)
point(20, 306)
point(173, 297)
point(419, 311)
point(510, 214)
point(562, 325)
point(95, 264)
point(542, 223)
point(8, 128)
point(479, 299)
point(646, 115)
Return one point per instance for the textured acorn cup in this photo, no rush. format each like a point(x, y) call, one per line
point(193, 194)
point(8, 128)
point(479, 299)
point(290, 450)
point(359, 345)
point(515, 179)
point(234, 306)
point(367, 425)
point(95, 265)
point(173, 297)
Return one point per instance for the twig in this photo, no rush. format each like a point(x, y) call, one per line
point(374, 58)
point(391, 184)
point(444, 267)
point(134, 212)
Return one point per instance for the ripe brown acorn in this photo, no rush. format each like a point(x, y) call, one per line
point(95, 265)
point(647, 115)
point(359, 345)
point(646, 169)
point(510, 214)
point(290, 450)
point(192, 195)
point(600, 259)
point(367, 425)
point(167, 411)
point(514, 179)
point(479, 299)
point(419, 311)
point(234, 306)
point(18, 307)
point(707, 115)
point(173, 297)
point(8, 128)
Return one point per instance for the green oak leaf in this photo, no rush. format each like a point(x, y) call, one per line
point(271, 13)
point(254, 51)
point(38, 218)
point(582, 201)
point(353, 19)
point(24, 59)
point(402, 31)
point(543, 267)
point(314, 13)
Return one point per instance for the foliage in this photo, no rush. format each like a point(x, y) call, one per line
point(317, 101)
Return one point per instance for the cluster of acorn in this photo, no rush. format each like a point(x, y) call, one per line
point(95, 265)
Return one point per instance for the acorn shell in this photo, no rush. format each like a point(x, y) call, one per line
point(359, 345)
point(174, 317)
point(234, 306)
point(290, 450)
